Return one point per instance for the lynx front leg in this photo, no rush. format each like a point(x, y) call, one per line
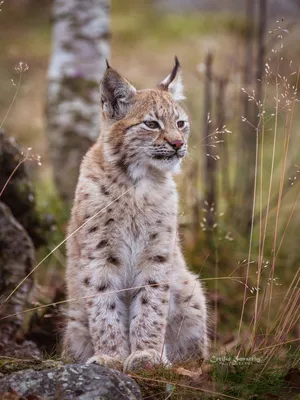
point(107, 316)
point(148, 320)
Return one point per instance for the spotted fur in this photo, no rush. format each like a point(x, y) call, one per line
point(125, 266)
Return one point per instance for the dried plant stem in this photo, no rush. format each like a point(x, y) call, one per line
point(292, 317)
point(286, 140)
point(287, 137)
point(288, 301)
point(273, 348)
point(288, 314)
point(279, 344)
point(270, 186)
point(215, 241)
point(260, 255)
point(286, 151)
point(13, 100)
point(251, 233)
point(288, 222)
point(11, 175)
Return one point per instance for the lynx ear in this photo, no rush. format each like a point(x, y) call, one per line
point(116, 94)
point(173, 82)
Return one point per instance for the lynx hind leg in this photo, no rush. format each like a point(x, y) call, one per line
point(77, 340)
point(187, 323)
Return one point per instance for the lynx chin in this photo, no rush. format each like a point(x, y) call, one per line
point(138, 305)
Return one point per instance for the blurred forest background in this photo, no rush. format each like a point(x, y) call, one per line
point(239, 188)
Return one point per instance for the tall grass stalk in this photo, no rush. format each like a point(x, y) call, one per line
point(20, 68)
point(260, 250)
point(287, 137)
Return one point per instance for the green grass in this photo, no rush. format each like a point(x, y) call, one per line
point(137, 26)
point(227, 376)
point(248, 383)
point(49, 203)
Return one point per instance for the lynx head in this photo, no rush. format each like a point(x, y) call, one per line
point(143, 130)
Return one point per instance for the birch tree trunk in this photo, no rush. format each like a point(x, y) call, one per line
point(80, 48)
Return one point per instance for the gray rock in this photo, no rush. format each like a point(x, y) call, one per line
point(19, 194)
point(17, 258)
point(72, 382)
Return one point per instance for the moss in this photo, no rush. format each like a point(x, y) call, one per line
point(161, 382)
point(49, 202)
point(9, 365)
point(252, 382)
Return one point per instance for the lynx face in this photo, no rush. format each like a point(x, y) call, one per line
point(162, 132)
point(147, 128)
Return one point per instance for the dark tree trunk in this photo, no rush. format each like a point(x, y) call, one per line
point(262, 21)
point(245, 172)
point(210, 161)
point(221, 119)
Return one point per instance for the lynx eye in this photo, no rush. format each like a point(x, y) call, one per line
point(152, 124)
point(180, 124)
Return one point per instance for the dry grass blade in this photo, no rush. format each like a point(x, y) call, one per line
point(287, 137)
point(20, 70)
point(11, 175)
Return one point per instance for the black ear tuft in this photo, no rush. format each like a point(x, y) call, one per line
point(173, 83)
point(107, 64)
point(175, 70)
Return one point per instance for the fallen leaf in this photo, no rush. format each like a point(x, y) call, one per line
point(187, 372)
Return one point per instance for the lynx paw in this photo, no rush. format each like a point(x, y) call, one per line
point(106, 361)
point(144, 359)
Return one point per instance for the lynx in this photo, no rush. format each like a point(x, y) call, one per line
point(136, 302)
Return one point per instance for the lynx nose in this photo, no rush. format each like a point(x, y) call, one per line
point(176, 144)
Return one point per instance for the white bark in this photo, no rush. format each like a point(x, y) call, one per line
point(80, 47)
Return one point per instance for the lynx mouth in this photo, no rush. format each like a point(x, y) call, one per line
point(167, 156)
